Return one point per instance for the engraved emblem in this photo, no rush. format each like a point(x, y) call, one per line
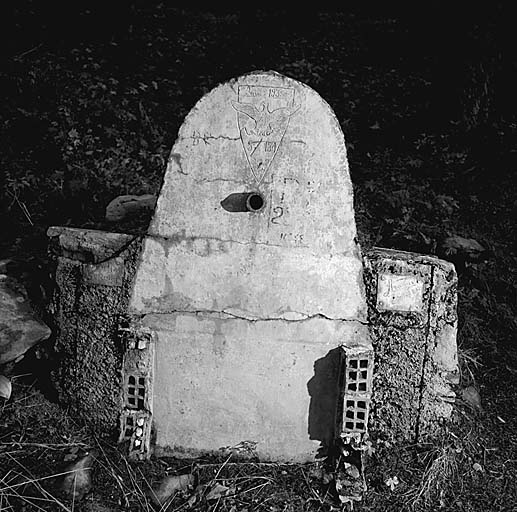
point(263, 114)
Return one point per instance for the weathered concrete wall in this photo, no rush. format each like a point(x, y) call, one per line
point(412, 317)
point(93, 275)
point(249, 306)
point(236, 380)
point(241, 319)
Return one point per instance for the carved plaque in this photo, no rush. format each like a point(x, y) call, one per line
point(263, 114)
point(399, 293)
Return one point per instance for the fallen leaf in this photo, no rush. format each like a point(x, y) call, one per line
point(477, 467)
point(471, 396)
point(353, 472)
point(447, 203)
point(169, 486)
point(72, 454)
point(191, 501)
point(415, 163)
point(315, 472)
point(392, 482)
point(368, 448)
point(218, 491)
point(5, 387)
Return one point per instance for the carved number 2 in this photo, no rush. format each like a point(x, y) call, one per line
point(278, 211)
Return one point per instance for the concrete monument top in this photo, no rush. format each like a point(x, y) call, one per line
point(250, 273)
point(257, 199)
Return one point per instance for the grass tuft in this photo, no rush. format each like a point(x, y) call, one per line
point(440, 478)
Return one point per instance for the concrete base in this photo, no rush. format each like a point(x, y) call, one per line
point(220, 381)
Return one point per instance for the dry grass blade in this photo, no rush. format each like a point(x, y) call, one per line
point(469, 365)
point(222, 467)
point(137, 490)
point(311, 489)
point(11, 491)
point(110, 468)
point(51, 446)
point(439, 477)
point(36, 482)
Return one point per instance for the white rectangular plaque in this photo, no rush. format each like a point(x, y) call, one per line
point(399, 293)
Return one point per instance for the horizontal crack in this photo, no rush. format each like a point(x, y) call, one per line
point(205, 180)
point(207, 138)
point(225, 315)
point(181, 238)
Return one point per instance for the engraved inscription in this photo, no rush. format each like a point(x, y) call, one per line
point(263, 115)
point(278, 212)
point(399, 293)
point(295, 238)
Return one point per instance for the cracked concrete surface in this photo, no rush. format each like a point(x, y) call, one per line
point(244, 304)
point(291, 316)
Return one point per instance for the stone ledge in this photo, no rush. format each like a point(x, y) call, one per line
point(87, 245)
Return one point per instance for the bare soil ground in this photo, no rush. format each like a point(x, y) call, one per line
point(92, 99)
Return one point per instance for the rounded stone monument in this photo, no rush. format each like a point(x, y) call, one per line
point(250, 278)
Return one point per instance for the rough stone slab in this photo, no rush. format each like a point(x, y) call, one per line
point(20, 328)
point(87, 245)
point(220, 381)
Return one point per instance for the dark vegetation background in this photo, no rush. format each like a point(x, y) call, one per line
point(93, 94)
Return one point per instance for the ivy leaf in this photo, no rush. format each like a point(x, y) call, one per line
point(392, 482)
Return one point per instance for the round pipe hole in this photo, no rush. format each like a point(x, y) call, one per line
point(255, 202)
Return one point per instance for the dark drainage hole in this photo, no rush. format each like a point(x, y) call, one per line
point(254, 202)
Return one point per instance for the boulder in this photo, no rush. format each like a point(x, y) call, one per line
point(123, 207)
point(20, 328)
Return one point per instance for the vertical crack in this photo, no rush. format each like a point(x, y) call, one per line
point(426, 356)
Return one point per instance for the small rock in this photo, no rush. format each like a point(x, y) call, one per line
point(218, 491)
point(77, 481)
point(5, 387)
point(472, 397)
point(20, 328)
point(460, 250)
point(353, 472)
point(169, 486)
point(124, 206)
